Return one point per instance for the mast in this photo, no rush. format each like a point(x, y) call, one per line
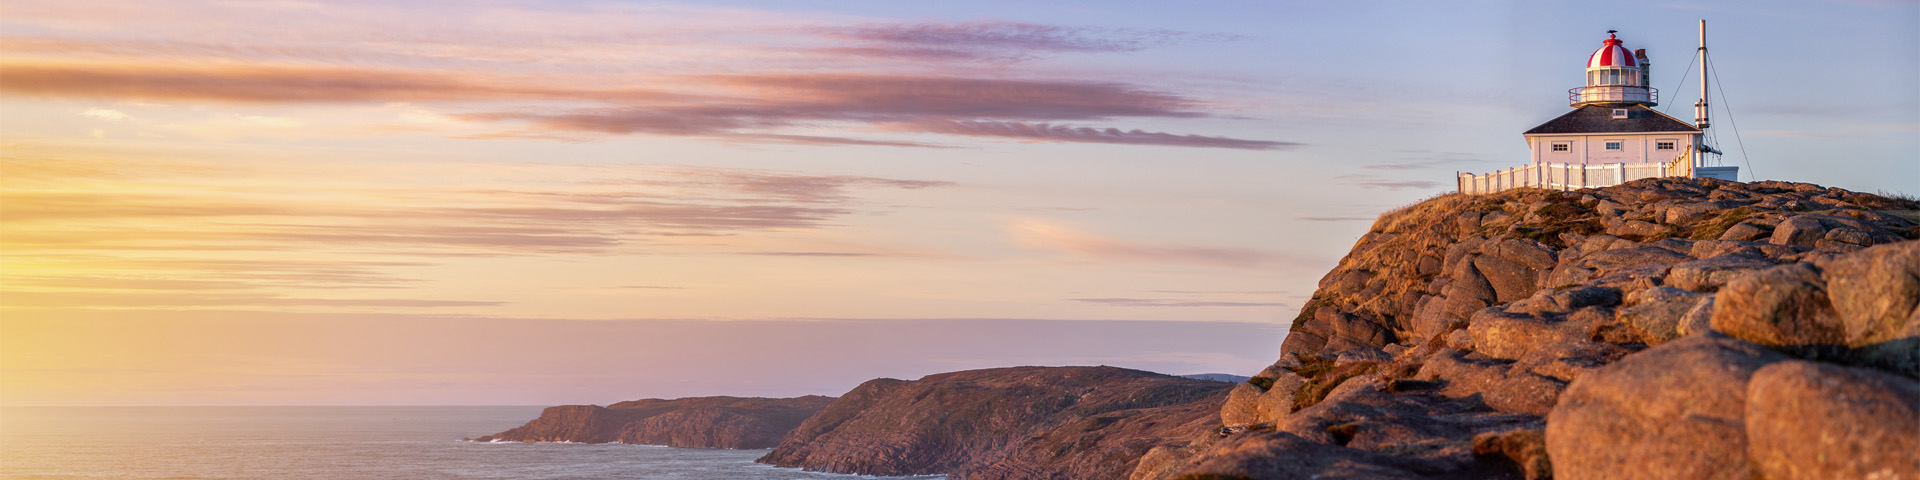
point(1700, 108)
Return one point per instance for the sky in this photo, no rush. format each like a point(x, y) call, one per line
point(515, 202)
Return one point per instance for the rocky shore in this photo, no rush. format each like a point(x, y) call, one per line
point(705, 422)
point(1661, 329)
point(1004, 423)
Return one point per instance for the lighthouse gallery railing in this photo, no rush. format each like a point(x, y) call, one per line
point(1571, 176)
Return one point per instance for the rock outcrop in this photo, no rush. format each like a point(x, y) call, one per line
point(1664, 328)
point(705, 422)
point(1005, 423)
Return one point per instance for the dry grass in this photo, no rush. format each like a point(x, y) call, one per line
point(1322, 377)
point(1712, 229)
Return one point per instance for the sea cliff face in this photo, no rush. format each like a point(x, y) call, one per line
point(1004, 423)
point(1664, 329)
point(706, 422)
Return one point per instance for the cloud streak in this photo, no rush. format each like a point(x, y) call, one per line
point(616, 72)
point(593, 210)
point(1043, 132)
point(1161, 302)
point(1048, 236)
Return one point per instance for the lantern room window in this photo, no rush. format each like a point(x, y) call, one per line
point(1614, 76)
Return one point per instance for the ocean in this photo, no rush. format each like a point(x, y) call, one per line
point(333, 443)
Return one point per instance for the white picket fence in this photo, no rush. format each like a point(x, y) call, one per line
point(1572, 176)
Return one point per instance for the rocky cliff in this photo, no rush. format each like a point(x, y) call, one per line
point(1004, 423)
point(707, 422)
point(1663, 329)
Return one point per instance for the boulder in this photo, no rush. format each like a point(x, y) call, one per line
point(1699, 319)
point(1263, 398)
point(1673, 411)
point(1709, 274)
point(1808, 420)
point(1784, 307)
point(1873, 319)
point(1746, 231)
point(1567, 361)
point(1799, 231)
point(1876, 294)
point(1280, 455)
point(1635, 228)
point(1656, 312)
point(1500, 334)
point(1496, 382)
point(1510, 280)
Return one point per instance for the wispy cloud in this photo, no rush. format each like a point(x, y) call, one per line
point(1043, 132)
point(727, 75)
point(1050, 236)
point(1161, 302)
point(898, 103)
point(1372, 181)
point(1003, 36)
point(42, 299)
point(1414, 165)
point(279, 83)
point(624, 208)
point(810, 254)
point(995, 40)
point(1223, 292)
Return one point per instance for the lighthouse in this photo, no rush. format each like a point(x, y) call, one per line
point(1611, 121)
point(1616, 77)
point(1612, 136)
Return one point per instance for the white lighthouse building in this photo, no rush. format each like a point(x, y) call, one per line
point(1611, 136)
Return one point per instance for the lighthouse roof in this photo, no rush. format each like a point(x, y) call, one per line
point(1599, 119)
point(1612, 54)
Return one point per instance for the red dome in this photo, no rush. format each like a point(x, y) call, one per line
point(1612, 55)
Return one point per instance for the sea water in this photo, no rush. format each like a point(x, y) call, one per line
point(333, 443)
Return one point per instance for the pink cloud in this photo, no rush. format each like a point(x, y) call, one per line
point(1044, 132)
point(1053, 237)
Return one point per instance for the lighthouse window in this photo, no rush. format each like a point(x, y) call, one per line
point(1562, 147)
point(1614, 144)
point(1663, 145)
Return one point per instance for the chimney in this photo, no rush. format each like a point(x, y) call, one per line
point(1646, 69)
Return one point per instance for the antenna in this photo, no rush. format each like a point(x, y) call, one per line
point(1700, 110)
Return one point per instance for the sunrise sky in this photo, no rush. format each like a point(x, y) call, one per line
point(516, 202)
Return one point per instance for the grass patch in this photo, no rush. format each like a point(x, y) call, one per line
point(1550, 233)
point(1264, 383)
point(1322, 377)
point(1713, 229)
point(1306, 313)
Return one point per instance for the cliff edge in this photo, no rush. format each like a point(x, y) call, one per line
point(1664, 328)
point(1004, 423)
point(706, 422)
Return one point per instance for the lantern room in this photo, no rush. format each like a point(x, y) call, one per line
point(1615, 77)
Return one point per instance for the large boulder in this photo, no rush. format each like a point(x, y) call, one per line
point(1784, 307)
point(1876, 293)
point(1808, 420)
point(1263, 398)
point(1860, 308)
point(1670, 412)
point(1284, 456)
